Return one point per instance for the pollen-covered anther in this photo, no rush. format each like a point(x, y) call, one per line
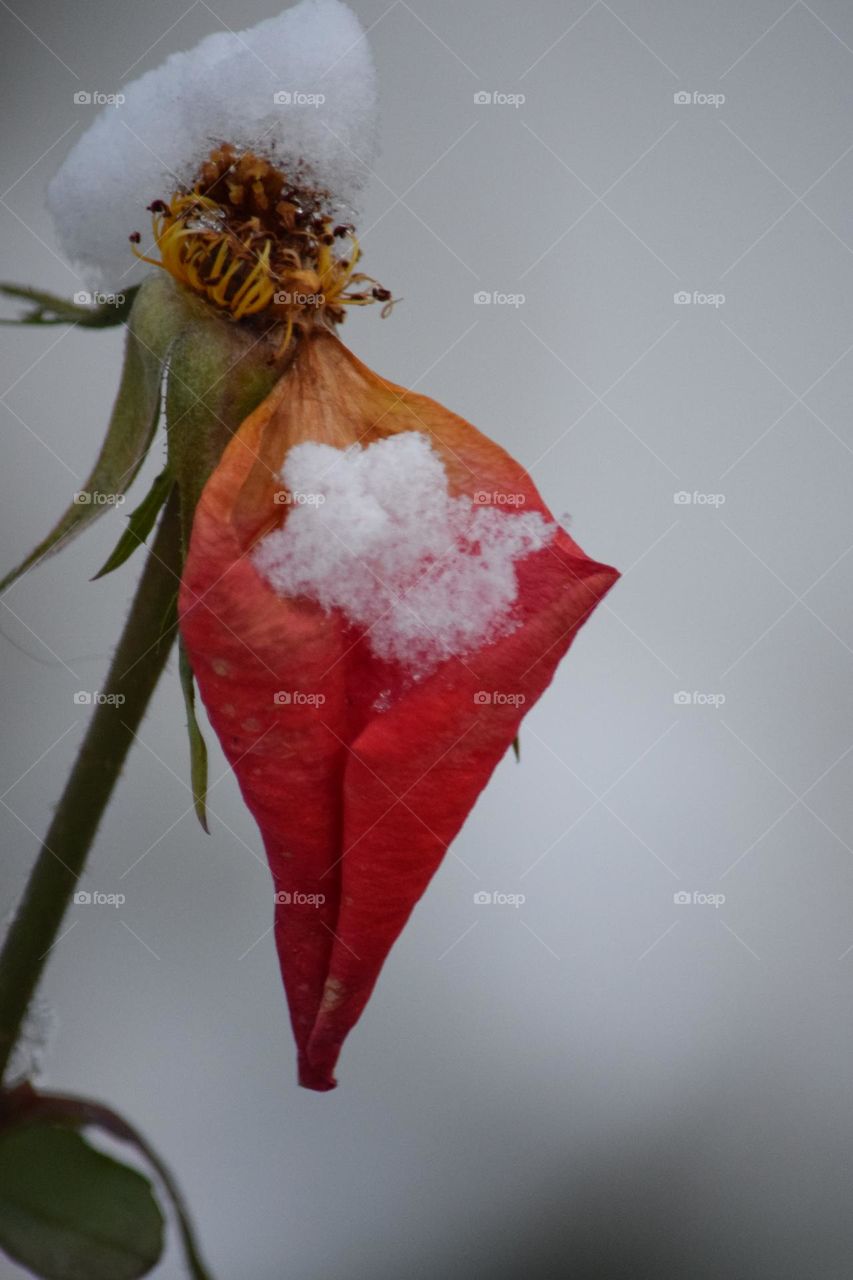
point(255, 244)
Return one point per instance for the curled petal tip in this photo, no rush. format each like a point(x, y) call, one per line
point(319, 1079)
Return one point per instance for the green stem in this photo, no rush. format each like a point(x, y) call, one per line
point(136, 667)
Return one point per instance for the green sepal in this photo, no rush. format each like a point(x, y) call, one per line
point(49, 308)
point(140, 523)
point(198, 746)
point(218, 373)
point(158, 315)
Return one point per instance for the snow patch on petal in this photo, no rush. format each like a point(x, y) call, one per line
point(375, 533)
point(313, 57)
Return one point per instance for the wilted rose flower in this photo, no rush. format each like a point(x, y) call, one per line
point(374, 593)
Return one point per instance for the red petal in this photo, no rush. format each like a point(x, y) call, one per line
point(355, 804)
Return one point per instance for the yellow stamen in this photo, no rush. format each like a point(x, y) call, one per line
point(252, 246)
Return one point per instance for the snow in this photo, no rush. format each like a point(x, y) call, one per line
point(312, 56)
point(375, 533)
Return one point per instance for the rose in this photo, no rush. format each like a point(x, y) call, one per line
point(357, 794)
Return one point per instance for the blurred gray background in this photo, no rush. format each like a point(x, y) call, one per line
point(604, 1081)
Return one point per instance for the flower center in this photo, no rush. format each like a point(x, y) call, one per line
point(256, 245)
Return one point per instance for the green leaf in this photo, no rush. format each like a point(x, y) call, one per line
point(157, 316)
point(198, 746)
point(23, 1105)
point(68, 1212)
point(140, 523)
point(48, 308)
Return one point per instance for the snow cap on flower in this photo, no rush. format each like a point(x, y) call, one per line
point(298, 89)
